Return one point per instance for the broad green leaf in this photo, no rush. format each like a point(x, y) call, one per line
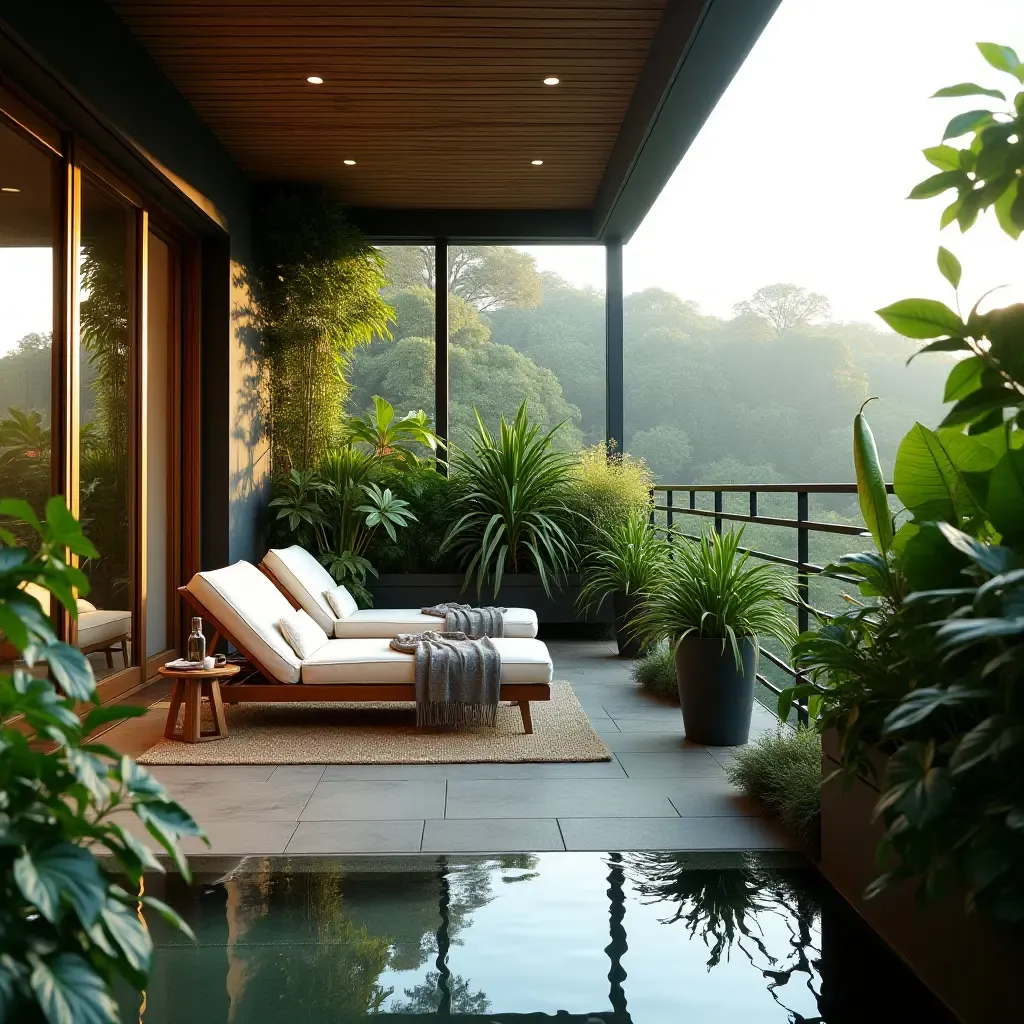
point(949, 266)
point(69, 991)
point(939, 183)
point(920, 704)
point(1002, 58)
point(66, 530)
point(106, 713)
point(874, 502)
point(977, 406)
point(977, 745)
point(19, 509)
point(921, 318)
point(994, 560)
point(969, 121)
point(964, 378)
point(1006, 209)
point(926, 477)
point(140, 782)
point(128, 933)
point(171, 916)
point(71, 670)
point(62, 874)
point(967, 89)
point(91, 772)
point(1006, 494)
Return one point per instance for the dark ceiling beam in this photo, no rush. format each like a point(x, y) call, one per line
point(699, 47)
point(509, 227)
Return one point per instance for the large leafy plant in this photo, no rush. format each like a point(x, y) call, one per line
point(336, 509)
point(514, 512)
point(625, 561)
point(933, 674)
point(69, 921)
point(709, 588)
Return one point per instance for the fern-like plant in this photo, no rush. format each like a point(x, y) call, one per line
point(708, 589)
point(625, 561)
point(514, 512)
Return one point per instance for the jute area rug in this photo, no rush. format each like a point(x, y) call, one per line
point(386, 733)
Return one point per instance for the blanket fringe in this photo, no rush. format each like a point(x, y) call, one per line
point(454, 715)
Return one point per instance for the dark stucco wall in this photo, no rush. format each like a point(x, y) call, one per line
point(86, 47)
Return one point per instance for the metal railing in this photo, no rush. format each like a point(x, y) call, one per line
point(802, 524)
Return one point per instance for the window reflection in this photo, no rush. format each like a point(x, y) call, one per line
point(105, 628)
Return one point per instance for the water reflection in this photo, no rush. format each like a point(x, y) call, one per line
point(612, 938)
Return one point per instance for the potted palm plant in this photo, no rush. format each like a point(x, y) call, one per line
point(712, 606)
point(622, 567)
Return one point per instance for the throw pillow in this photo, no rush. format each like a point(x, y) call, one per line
point(341, 601)
point(303, 633)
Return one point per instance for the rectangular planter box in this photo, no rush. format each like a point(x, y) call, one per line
point(518, 590)
point(970, 964)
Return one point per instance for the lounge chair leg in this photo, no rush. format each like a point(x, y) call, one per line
point(109, 652)
point(524, 710)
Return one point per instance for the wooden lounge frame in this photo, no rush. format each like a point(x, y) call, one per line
point(271, 691)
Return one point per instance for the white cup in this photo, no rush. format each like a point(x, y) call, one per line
point(209, 663)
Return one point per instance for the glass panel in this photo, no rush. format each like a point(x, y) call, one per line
point(401, 369)
point(751, 337)
point(160, 338)
point(27, 178)
point(527, 324)
point(105, 398)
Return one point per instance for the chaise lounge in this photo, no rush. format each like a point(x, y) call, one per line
point(304, 582)
point(244, 608)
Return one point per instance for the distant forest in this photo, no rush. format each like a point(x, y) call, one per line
point(768, 395)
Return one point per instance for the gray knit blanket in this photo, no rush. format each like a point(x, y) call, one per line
point(458, 678)
point(464, 618)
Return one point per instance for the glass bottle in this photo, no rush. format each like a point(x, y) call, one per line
point(196, 650)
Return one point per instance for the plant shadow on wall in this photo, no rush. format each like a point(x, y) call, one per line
point(929, 671)
point(68, 928)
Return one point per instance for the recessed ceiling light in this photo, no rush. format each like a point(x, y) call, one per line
point(9, 188)
point(551, 80)
point(315, 80)
point(349, 163)
point(536, 163)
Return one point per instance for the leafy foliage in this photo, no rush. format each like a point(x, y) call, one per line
point(930, 674)
point(625, 561)
point(784, 306)
point(656, 672)
point(67, 927)
point(987, 171)
point(319, 285)
point(707, 589)
point(514, 515)
point(782, 772)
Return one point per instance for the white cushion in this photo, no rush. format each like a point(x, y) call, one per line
point(520, 623)
point(302, 633)
point(342, 603)
point(371, 660)
point(305, 579)
point(249, 607)
point(85, 606)
point(96, 627)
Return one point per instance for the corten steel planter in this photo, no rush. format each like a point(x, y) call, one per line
point(623, 608)
point(716, 697)
point(518, 590)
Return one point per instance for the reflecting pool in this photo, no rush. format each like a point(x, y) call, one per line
point(644, 937)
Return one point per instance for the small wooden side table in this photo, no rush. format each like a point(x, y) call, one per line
point(190, 687)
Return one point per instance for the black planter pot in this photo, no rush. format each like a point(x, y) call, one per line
point(716, 698)
point(623, 607)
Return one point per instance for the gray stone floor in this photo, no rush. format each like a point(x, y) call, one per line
point(657, 793)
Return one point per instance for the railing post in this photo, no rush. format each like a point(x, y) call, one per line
point(803, 556)
point(753, 504)
point(442, 389)
point(668, 521)
point(718, 508)
point(654, 501)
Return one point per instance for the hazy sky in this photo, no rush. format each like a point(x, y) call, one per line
point(801, 171)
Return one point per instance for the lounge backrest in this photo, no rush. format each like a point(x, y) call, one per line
point(249, 608)
point(306, 580)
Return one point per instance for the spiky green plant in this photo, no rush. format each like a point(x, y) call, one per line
point(656, 672)
point(515, 513)
point(708, 589)
point(625, 561)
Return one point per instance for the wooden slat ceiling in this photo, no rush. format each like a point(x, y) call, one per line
point(441, 105)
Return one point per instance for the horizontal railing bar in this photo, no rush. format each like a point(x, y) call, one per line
point(779, 663)
point(777, 690)
point(778, 559)
point(767, 488)
point(791, 524)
